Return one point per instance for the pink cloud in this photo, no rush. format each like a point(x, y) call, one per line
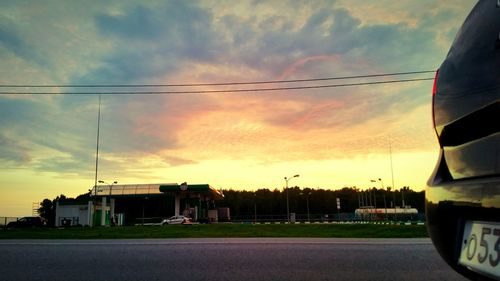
point(291, 69)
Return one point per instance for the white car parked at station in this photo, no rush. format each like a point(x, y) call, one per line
point(176, 220)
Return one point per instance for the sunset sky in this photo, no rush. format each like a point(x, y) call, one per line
point(332, 137)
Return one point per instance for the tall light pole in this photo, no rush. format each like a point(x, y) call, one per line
point(392, 176)
point(96, 159)
point(392, 169)
point(97, 142)
point(307, 204)
point(287, 197)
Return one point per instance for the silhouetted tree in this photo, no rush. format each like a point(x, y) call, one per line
point(47, 211)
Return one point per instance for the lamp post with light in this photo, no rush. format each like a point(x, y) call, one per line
point(307, 204)
point(103, 211)
point(255, 207)
point(382, 185)
point(109, 184)
point(287, 197)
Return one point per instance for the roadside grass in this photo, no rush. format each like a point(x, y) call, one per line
point(221, 231)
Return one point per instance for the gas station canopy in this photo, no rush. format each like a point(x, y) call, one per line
point(115, 190)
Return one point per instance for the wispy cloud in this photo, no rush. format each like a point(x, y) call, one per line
point(172, 42)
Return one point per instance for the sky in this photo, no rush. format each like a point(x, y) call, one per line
point(331, 137)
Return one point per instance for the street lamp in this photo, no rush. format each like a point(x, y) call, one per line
point(103, 211)
point(382, 185)
point(143, 203)
point(287, 198)
point(307, 204)
point(255, 207)
point(109, 184)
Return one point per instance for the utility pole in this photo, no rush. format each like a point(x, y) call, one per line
point(96, 159)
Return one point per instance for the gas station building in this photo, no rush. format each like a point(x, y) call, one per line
point(114, 204)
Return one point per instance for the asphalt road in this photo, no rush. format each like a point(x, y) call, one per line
point(223, 259)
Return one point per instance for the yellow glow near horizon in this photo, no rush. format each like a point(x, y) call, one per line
point(410, 169)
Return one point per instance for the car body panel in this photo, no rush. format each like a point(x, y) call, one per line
point(465, 185)
point(468, 91)
point(468, 77)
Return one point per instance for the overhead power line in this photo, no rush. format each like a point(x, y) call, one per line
point(218, 84)
point(221, 91)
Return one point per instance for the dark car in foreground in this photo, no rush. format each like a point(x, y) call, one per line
point(27, 222)
point(463, 193)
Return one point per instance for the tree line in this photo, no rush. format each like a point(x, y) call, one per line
point(266, 203)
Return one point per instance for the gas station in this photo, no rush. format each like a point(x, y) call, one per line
point(113, 204)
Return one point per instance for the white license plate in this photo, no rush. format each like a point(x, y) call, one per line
point(481, 248)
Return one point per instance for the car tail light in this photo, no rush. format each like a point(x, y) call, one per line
point(434, 90)
point(435, 83)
